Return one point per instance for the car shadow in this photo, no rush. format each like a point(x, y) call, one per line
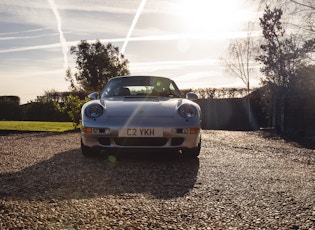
point(69, 175)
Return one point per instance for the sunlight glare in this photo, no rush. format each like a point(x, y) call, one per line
point(209, 15)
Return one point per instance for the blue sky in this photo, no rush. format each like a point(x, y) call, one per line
point(180, 39)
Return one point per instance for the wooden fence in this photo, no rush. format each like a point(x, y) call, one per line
point(296, 116)
point(226, 114)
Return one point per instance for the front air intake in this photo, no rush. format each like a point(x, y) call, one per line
point(141, 141)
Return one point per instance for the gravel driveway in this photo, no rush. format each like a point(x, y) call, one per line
point(241, 180)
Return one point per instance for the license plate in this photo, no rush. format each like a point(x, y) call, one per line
point(141, 132)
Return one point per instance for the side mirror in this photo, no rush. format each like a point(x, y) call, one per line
point(191, 96)
point(93, 96)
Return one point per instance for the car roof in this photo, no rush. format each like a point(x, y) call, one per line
point(142, 76)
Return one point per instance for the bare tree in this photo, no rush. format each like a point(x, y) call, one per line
point(238, 62)
point(297, 14)
point(239, 57)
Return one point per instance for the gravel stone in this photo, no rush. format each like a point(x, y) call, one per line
point(241, 180)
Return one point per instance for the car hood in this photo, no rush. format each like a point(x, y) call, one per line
point(129, 106)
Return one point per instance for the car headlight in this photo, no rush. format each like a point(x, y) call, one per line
point(187, 111)
point(94, 111)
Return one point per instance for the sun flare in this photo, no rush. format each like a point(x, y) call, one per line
point(209, 15)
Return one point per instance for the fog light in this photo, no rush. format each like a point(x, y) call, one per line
point(186, 131)
point(105, 131)
point(95, 130)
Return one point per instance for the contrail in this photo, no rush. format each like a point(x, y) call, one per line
point(134, 22)
point(169, 37)
point(62, 38)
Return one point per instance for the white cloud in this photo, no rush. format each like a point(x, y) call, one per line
point(25, 31)
point(104, 6)
point(160, 44)
point(169, 37)
point(27, 37)
point(30, 82)
point(142, 67)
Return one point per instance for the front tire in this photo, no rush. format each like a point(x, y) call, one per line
point(193, 152)
point(88, 151)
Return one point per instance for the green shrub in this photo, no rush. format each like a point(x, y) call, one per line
point(43, 111)
point(72, 107)
point(10, 108)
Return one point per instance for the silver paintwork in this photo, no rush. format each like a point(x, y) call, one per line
point(140, 112)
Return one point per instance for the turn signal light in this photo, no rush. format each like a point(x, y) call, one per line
point(194, 130)
point(86, 129)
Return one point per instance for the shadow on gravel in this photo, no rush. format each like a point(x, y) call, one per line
point(300, 141)
point(68, 175)
point(304, 142)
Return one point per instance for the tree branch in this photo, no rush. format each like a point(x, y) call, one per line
point(302, 4)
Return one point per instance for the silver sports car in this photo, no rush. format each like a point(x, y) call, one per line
point(141, 112)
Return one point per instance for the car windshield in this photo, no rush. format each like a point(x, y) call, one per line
point(141, 86)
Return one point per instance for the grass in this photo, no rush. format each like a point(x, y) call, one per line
point(36, 126)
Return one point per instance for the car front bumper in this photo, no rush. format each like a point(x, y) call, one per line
point(171, 138)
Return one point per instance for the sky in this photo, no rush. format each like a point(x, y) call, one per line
point(180, 39)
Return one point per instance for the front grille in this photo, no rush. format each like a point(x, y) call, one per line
point(140, 141)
